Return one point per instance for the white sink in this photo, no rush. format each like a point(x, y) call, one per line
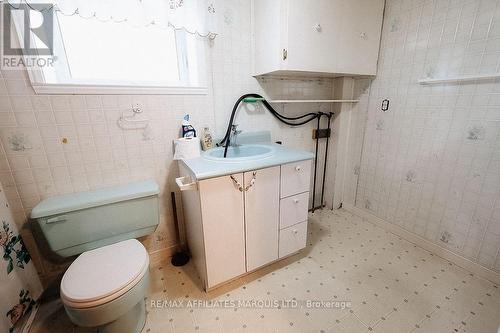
point(240, 153)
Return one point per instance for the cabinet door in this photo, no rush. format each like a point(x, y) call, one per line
point(295, 178)
point(313, 34)
point(333, 36)
point(223, 228)
point(360, 39)
point(293, 239)
point(262, 217)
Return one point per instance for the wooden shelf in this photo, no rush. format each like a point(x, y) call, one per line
point(463, 78)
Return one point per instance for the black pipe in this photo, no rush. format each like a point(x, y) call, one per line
point(226, 141)
point(330, 115)
point(271, 109)
point(316, 163)
point(314, 208)
point(231, 119)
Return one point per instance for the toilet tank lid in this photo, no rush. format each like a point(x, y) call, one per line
point(82, 200)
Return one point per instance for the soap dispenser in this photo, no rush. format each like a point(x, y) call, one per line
point(207, 142)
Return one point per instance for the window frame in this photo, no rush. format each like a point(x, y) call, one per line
point(37, 78)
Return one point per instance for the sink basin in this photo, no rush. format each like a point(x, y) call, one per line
point(240, 153)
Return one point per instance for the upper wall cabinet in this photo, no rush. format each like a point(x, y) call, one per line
point(316, 37)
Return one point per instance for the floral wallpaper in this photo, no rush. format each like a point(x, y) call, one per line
point(19, 283)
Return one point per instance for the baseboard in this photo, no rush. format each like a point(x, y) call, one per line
point(440, 251)
point(161, 255)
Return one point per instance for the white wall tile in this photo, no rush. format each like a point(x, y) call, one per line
point(453, 125)
point(98, 153)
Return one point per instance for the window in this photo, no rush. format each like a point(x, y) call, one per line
point(108, 57)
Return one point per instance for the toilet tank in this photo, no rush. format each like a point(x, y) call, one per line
point(79, 222)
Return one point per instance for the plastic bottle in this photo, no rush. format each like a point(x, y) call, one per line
point(188, 130)
point(207, 141)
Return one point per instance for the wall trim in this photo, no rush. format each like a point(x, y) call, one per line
point(440, 251)
point(81, 89)
point(159, 256)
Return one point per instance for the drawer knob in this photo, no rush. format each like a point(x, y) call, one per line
point(295, 231)
point(298, 168)
point(296, 200)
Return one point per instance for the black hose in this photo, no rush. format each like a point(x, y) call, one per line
point(226, 141)
point(271, 109)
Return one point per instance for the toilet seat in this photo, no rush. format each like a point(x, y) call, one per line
point(104, 274)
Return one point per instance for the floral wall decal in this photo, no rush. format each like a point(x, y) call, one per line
point(174, 4)
point(395, 24)
point(211, 8)
point(411, 176)
point(476, 132)
point(430, 72)
point(445, 237)
point(368, 204)
point(228, 16)
point(380, 125)
point(19, 142)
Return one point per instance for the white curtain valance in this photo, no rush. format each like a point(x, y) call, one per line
point(194, 16)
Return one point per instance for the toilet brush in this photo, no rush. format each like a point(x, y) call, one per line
point(181, 257)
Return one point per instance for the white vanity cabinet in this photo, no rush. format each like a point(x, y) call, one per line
point(316, 37)
point(294, 204)
point(262, 217)
point(222, 214)
point(238, 223)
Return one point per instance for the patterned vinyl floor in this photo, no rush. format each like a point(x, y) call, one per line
point(353, 277)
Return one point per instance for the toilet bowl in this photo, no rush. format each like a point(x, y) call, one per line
point(105, 288)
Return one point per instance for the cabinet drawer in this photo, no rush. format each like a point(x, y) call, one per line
point(295, 178)
point(292, 239)
point(294, 209)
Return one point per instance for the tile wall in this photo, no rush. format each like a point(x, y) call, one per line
point(59, 144)
point(431, 164)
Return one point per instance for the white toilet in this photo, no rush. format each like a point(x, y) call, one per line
point(105, 286)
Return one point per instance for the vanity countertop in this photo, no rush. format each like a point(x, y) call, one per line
point(203, 168)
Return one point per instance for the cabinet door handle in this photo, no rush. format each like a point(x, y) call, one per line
point(296, 200)
point(252, 181)
point(298, 168)
point(237, 183)
point(285, 54)
point(247, 187)
point(56, 219)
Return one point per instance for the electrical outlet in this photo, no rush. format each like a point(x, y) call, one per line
point(385, 105)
